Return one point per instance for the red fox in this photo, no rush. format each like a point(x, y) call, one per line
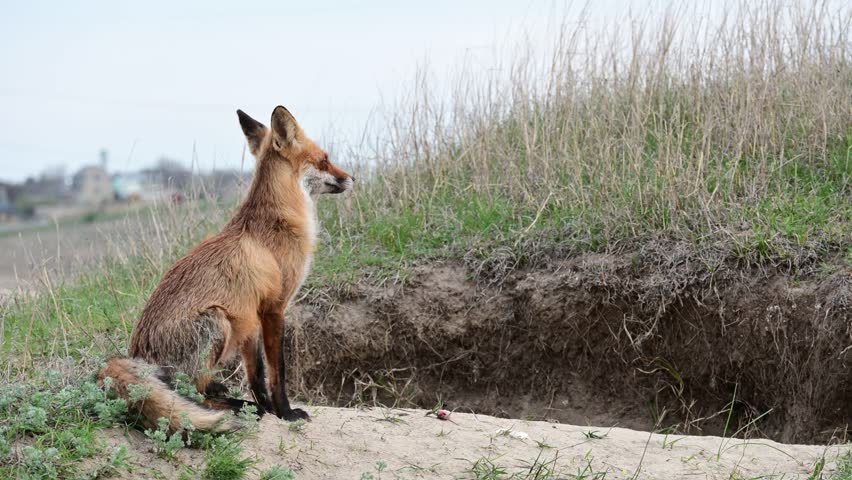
point(229, 293)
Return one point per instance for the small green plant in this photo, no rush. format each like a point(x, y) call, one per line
point(185, 387)
point(380, 467)
point(40, 463)
point(118, 458)
point(486, 469)
point(666, 443)
point(298, 426)
point(60, 416)
point(540, 469)
point(224, 460)
point(818, 468)
point(277, 472)
point(594, 435)
point(248, 415)
point(165, 445)
point(587, 472)
point(390, 417)
point(187, 473)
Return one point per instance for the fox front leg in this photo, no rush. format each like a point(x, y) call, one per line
point(273, 347)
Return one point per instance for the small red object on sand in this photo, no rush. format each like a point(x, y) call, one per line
point(442, 414)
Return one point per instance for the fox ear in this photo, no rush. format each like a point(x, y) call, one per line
point(253, 130)
point(286, 131)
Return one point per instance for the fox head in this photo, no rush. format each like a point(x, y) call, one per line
point(286, 142)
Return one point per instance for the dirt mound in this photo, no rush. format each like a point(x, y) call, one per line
point(658, 338)
point(348, 443)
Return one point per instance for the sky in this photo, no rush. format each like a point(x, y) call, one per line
point(153, 79)
point(163, 78)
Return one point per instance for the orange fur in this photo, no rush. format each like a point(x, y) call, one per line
point(228, 294)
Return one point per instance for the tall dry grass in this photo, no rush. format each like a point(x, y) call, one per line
point(683, 128)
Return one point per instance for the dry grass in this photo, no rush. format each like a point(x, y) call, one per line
point(739, 131)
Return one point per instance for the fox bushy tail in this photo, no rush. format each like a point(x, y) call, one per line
point(160, 401)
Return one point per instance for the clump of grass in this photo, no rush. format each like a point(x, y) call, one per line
point(225, 461)
point(164, 444)
point(843, 470)
point(277, 472)
point(485, 469)
point(593, 435)
point(380, 467)
point(538, 469)
point(587, 472)
point(49, 425)
point(297, 427)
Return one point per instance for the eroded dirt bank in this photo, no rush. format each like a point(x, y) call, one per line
point(346, 443)
point(657, 339)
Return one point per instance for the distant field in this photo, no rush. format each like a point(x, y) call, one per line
point(26, 255)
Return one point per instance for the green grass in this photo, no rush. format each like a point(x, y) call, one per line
point(49, 429)
point(277, 473)
point(98, 310)
point(225, 461)
point(844, 468)
point(57, 421)
point(539, 468)
point(802, 210)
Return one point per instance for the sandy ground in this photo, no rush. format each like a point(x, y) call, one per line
point(346, 443)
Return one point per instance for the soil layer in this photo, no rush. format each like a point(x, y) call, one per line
point(658, 339)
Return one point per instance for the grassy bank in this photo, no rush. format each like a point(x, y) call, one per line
point(735, 139)
point(739, 136)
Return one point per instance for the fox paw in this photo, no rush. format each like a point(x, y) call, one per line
point(295, 414)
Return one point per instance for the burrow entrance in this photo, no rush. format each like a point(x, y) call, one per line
point(648, 341)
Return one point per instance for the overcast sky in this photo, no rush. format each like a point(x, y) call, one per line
point(161, 78)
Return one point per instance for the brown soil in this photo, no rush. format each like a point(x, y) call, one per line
point(345, 443)
point(656, 339)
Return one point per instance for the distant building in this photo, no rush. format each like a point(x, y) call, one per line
point(5, 195)
point(128, 187)
point(7, 207)
point(48, 187)
point(140, 187)
point(92, 186)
